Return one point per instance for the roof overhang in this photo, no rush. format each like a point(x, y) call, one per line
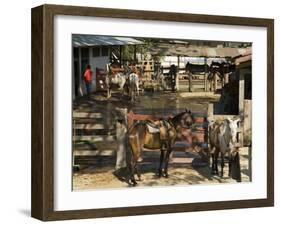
point(79, 40)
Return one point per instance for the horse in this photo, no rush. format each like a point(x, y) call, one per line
point(118, 79)
point(223, 141)
point(173, 76)
point(221, 69)
point(133, 86)
point(159, 134)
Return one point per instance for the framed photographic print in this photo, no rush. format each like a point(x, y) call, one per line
point(141, 112)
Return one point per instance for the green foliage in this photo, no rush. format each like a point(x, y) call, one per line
point(128, 52)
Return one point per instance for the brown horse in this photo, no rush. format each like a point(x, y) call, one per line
point(162, 138)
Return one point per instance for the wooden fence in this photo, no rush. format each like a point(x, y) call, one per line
point(94, 137)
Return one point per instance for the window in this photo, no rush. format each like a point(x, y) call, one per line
point(104, 51)
point(84, 52)
point(96, 51)
point(75, 53)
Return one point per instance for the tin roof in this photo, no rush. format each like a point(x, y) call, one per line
point(197, 51)
point(97, 40)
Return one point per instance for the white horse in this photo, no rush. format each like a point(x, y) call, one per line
point(223, 139)
point(133, 86)
point(118, 79)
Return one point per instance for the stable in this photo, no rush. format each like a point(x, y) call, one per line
point(200, 54)
point(97, 51)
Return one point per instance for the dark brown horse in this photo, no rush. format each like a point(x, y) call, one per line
point(162, 138)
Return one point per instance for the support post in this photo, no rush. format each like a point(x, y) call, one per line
point(215, 82)
point(81, 82)
point(75, 167)
point(120, 54)
point(205, 75)
point(226, 78)
point(121, 137)
point(190, 81)
point(241, 102)
point(210, 113)
point(135, 53)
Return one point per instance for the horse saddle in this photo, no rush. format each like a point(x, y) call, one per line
point(152, 127)
point(162, 127)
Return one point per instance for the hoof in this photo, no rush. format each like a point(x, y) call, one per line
point(165, 175)
point(159, 175)
point(132, 182)
point(214, 173)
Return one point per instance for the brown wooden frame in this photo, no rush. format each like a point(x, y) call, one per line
point(42, 203)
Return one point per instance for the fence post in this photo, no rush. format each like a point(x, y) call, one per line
point(205, 75)
point(121, 135)
point(215, 82)
point(210, 112)
point(190, 81)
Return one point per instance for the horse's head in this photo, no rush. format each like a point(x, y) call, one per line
point(184, 119)
point(233, 128)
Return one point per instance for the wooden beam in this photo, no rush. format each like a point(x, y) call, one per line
point(86, 115)
point(215, 82)
point(241, 101)
point(205, 75)
point(120, 53)
point(190, 81)
point(94, 153)
point(89, 126)
point(135, 53)
point(210, 111)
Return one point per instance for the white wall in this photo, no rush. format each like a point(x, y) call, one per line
point(15, 112)
point(97, 62)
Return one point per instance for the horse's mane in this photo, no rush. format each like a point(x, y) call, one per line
point(178, 116)
point(176, 119)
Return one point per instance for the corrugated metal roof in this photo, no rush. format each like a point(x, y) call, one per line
point(97, 40)
point(196, 51)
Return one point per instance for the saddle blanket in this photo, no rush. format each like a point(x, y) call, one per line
point(152, 129)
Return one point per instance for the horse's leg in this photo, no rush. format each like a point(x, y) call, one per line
point(222, 163)
point(137, 171)
point(160, 162)
point(213, 152)
point(135, 152)
point(216, 162)
point(213, 162)
point(138, 91)
point(108, 93)
point(229, 164)
point(167, 158)
point(133, 169)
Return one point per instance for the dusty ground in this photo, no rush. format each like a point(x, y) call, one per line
point(179, 174)
point(148, 102)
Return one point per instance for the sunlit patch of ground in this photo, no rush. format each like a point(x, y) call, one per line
point(184, 174)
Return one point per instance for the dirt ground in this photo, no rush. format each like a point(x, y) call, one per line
point(196, 102)
point(89, 178)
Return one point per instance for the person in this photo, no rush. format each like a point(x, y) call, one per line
point(88, 78)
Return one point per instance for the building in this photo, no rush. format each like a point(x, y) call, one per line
point(97, 51)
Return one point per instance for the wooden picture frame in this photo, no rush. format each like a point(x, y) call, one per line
point(43, 112)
